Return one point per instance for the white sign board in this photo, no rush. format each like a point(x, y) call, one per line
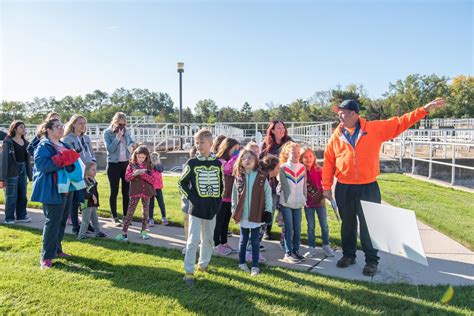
point(394, 230)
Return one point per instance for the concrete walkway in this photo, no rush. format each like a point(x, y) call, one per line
point(449, 262)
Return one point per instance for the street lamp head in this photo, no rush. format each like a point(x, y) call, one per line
point(180, 67)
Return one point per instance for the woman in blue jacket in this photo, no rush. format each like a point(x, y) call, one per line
point(45, 190)
point(119, 145)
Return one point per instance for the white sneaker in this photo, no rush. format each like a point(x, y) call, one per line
point(328, 251)
point(254, 271)
point(244, 267)
point(311, 252)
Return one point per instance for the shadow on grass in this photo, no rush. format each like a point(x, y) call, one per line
point(226, 291)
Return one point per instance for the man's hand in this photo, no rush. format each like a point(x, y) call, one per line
point(435, 104)
point(94, 199)
point(328, 195)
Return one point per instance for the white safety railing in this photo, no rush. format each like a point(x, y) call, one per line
point(447, 123)
point(431, 152)
point(316, 136)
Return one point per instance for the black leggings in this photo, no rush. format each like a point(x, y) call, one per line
point(222, 223)
point(161, 204)
point(115, 172)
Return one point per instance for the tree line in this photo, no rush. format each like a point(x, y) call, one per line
point(402, 96)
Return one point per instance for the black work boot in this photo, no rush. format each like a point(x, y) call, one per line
point(370, 269)
point(344, 262)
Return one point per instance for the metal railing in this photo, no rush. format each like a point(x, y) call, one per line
point(316, 136)
point(431, 152)
point(447, 123)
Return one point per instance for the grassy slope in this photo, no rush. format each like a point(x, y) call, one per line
point(106, 277)
point(448, 210)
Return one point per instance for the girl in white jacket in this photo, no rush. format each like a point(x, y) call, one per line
point(292, 187)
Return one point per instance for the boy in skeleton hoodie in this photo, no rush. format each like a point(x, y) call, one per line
point(202, 184)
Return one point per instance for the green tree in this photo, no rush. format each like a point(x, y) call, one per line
point(206, 111)
point(246, 112)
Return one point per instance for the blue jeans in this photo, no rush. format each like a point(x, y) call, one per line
point(254, 241)
point(323, 223)
point(15, 195)
point(292, 220)
point(54, 226)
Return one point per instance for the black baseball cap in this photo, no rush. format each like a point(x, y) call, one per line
point(350, 105)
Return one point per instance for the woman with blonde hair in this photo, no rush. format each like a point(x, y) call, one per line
point(118, 143)
point(75, 136)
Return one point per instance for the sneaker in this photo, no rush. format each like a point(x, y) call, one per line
point(9, 222)
point(244, 267)
point(202, 269)
point(266, 236)
point(24, 220)
point(75, 231)
point(63, 255)
point(82, 237)
point(101, 235)
point(261, 258)
point(255, 271)
point(311, 252)
point(229, 233)
point(370, 269)
point(298, 256)
point(328, 251)
point(117, 222)
point(189, 279)
point(144, 235)
point(221, 250)
point(121, 237)
point(151, 223)
point(262, 248)
point(46, 264)
point(290, 258)
point(344, 262)
point(165, 222)
point(229, 247)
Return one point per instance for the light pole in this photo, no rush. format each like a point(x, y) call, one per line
point(180, 71)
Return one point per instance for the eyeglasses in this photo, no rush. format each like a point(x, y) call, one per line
point(58, 126)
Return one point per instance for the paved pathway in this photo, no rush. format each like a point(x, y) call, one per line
point(449, 261)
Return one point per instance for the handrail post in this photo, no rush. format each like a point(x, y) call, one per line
point(453, 168)
point(430, 166)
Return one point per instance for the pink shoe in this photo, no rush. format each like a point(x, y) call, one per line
point(63, 255)
point(46, 264)
point(220, 249)
point(229, 247)
point(165, 222)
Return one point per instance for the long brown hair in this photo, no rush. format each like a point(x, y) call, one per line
point(224, 147)
point(142, 150)
point(238, 168)
point(47, 118)
point(216, 143)
point(270, 142)
point(13, 126)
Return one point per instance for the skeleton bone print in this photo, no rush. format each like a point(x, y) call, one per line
point(207, 180)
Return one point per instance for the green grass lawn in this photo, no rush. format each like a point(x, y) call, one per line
point(107, 277)
point(448, 210)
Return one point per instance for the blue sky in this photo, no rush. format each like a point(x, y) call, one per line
point(234, 51)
